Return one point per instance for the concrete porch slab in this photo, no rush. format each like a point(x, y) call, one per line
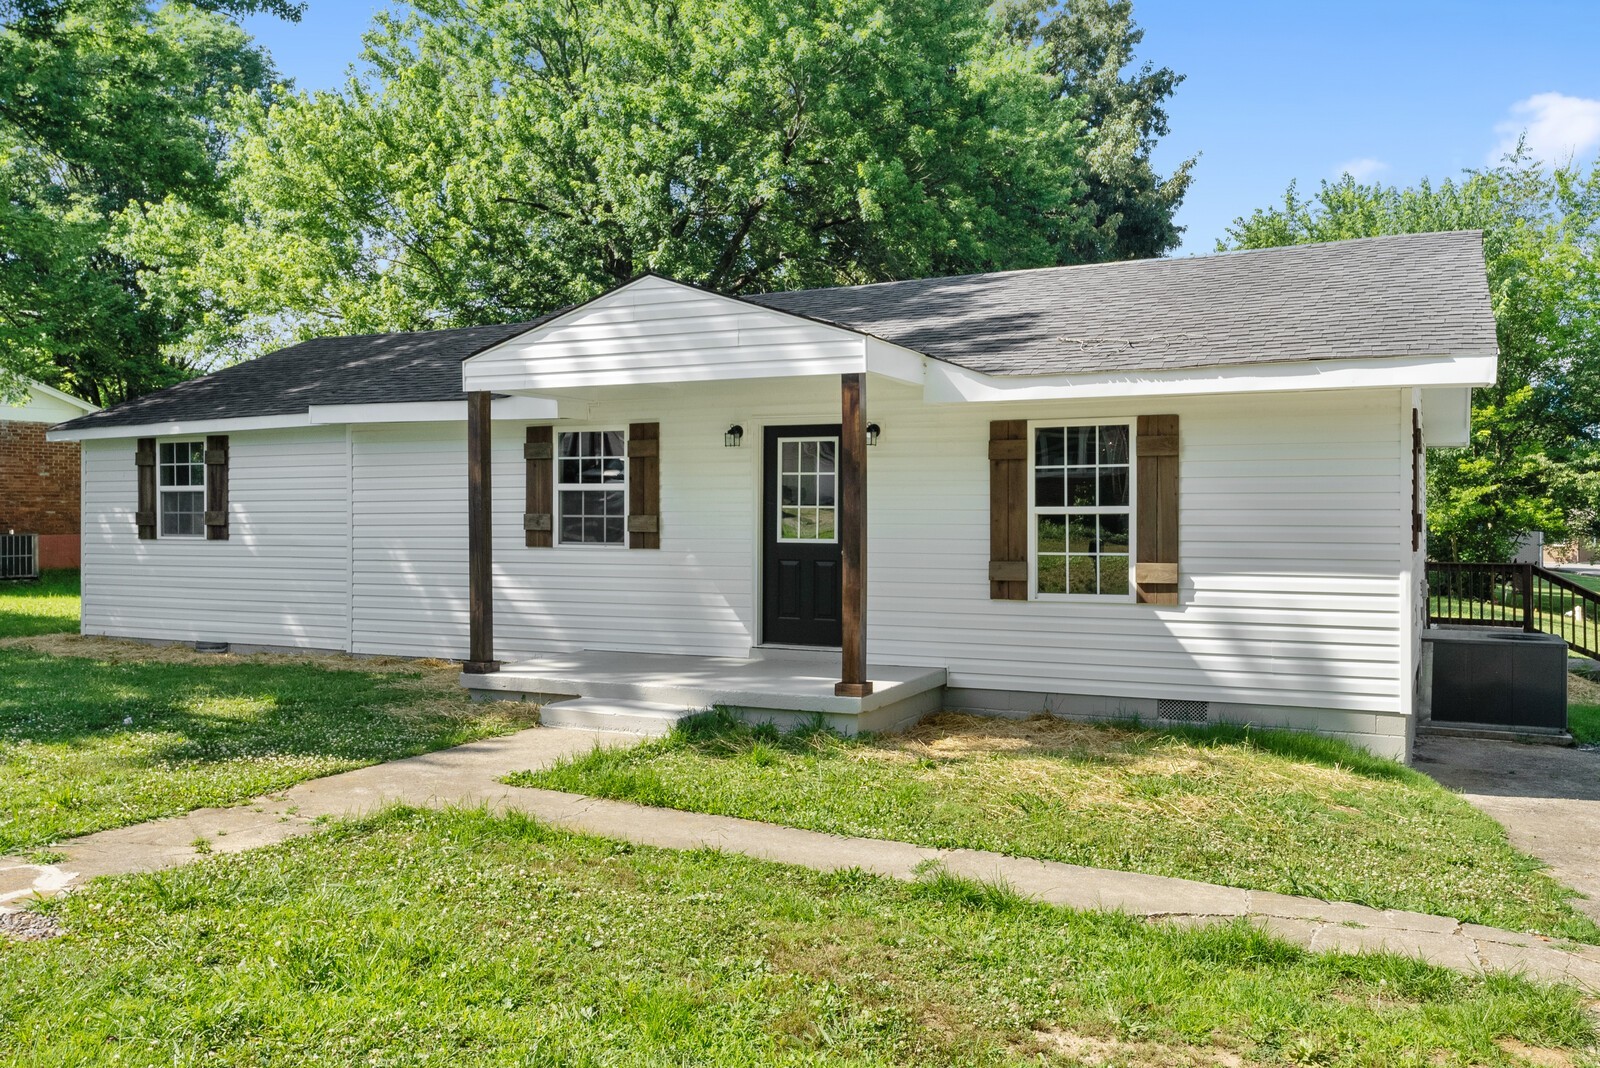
point(785, 689)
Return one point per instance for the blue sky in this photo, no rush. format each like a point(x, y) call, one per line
point(1395, 91)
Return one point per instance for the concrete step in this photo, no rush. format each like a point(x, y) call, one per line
point(763, 685)
point(1491, 732)
point(651, 718)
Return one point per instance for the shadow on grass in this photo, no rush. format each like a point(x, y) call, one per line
point(211, 714)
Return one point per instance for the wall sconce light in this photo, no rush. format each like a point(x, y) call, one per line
point(734, 436)
point(873, 430)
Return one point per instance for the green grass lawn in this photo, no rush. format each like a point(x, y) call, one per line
point(456, 938)
point(1583, 709)
point(1292, 813)
point(49, 606)
point(97, 734)
point(1588, 581)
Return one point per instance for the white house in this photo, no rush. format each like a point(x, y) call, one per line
point(1181, 489)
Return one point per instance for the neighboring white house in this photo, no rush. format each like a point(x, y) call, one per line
point(1180, 489)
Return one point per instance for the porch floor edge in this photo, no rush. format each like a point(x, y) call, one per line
point(796, 686)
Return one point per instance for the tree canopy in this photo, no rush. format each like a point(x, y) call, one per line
point(167, 205)
point(105, 105)
point(501, 160)
point(1534, 460)
point(1089, 44)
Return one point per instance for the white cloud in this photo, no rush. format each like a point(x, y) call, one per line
point(1558, 127)
point(1364, 169)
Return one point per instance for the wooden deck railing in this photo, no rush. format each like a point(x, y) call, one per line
point(1515, 595)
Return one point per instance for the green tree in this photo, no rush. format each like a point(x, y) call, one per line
point(105, 105)
point(501, 160)
point(1089, 45)
point(1534, 459)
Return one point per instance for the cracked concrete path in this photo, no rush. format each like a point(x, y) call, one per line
point(467, 776)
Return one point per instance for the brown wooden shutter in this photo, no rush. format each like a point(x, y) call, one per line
point(144, 456)
point(1008, 510)
point(644, 485)
point(538, 522)
point(1416, 481)
point(1156, 511)
point(217, 487)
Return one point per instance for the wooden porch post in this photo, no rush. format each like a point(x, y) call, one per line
point(852, 528)
point(480, 539)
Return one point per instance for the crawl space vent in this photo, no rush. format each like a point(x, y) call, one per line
point(1183, 711)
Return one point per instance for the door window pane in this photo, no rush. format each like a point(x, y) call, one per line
point(807, 476)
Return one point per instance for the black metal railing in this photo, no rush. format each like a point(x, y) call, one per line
point(1515, 595)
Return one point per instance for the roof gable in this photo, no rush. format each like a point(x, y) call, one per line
point(44, 404)
point(655, 330)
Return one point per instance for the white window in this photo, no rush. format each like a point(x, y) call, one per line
point(1081, 513)
point(807, 483)
point(592, 487)
point(181, 484)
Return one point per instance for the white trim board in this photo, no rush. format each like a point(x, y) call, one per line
point(949, 384)
point(518, 408)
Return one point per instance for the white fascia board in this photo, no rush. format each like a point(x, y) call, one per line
point(1446, 417)
point(533, 381)
point(949, 384)
point(192, 426)
point(896, 361)
point(523, 409)
point(528, 409)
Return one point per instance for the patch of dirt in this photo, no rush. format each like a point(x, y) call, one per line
point(1080, 762)
point(951, 735)
point(125, 651)
point(28, 926)
point(1541, 1056)
point(1582, 690)
point(1088, 1050)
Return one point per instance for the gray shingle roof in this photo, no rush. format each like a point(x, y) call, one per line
point(423, 365)
point(1411, 295)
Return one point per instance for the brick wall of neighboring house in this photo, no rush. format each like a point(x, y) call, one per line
point(39, 491)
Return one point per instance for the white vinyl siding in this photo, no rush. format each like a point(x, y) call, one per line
point(1293, 526)
point(282, 576)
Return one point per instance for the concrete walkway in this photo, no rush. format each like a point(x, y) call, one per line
point(467, 775)
point(1546, 797)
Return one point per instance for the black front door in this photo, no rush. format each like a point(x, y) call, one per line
point(801, 571)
